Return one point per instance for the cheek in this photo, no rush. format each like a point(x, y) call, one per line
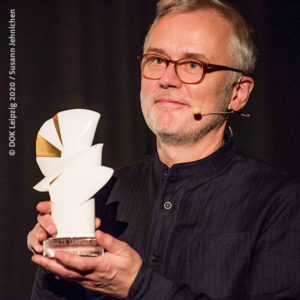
point(196, 94)
point(204, 93)
point(147, 86)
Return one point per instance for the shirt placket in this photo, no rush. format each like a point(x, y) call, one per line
point(163, 211)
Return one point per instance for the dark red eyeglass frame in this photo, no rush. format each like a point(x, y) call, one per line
point(207, 68)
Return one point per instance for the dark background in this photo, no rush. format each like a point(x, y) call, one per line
point(82, 54)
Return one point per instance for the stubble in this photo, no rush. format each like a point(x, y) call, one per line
point(188, 130)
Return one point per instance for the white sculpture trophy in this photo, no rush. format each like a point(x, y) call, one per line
point(73, 174)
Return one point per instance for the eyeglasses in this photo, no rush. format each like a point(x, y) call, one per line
point(188, 70)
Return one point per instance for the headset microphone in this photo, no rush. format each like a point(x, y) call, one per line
point(198, 115)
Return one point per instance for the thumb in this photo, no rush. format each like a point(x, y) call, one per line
point(108, 242)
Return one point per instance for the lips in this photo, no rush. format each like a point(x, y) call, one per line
point(169, 102)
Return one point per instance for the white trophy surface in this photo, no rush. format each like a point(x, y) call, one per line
point(73, 174)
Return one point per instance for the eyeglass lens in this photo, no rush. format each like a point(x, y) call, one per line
point(188, 70)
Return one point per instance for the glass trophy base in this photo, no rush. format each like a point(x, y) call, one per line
point(81, 246)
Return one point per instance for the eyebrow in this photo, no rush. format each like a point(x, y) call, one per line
point(185, 55)
point(157, 50)
point(196, 55)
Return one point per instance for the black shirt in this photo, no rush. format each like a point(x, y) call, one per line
point(226, 226)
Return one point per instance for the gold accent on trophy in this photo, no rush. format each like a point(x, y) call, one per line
point(45, 149)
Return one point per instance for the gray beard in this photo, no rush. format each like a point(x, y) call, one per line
point(187, 138)
point(175, 139)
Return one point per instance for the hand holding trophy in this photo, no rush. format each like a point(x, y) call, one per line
point(73, 174)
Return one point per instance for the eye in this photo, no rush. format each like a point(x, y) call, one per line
point(193, 65)
point(155, 60)
point(190, 66)
point(159, 60)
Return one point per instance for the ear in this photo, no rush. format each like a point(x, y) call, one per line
point(241, 93)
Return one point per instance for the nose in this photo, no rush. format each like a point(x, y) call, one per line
point(170, 78)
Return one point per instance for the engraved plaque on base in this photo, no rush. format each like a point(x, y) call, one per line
point(79, 246)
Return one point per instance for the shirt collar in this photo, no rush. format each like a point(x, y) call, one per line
point(203, 169)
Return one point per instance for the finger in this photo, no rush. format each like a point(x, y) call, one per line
point(75, 262)
point(40, 233)
point(36, 248)
point(44, 207)
point(32, 242)
point(56, 267)
point(46, 221)
point(110, 243)
point(97, 223)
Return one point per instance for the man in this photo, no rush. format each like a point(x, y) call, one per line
point(199, 220)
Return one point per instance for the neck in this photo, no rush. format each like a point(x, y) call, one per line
point(174, 154)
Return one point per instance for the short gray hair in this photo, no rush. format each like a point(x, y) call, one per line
point(243, 49)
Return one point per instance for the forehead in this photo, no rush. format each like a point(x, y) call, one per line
point(203, 32)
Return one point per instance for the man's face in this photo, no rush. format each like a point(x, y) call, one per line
point(167, 103)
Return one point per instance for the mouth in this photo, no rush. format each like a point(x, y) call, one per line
point(168, 102)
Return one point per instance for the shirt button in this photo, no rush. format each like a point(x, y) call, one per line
point(165, 172)
point(154, 258)
point(167, 205)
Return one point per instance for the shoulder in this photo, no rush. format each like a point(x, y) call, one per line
point(269, 194)
point(262, 175)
